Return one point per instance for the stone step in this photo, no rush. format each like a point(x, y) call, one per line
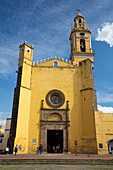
point(57, 161)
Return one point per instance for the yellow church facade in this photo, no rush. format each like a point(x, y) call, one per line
point(55, 101)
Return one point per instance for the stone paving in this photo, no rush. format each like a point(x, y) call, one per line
point(56, 167)
point(55, 161)
point(56, 156)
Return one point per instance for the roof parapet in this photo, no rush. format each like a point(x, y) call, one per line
point(51, 59)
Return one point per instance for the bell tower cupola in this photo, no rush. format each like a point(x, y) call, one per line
point(80, 40)
point(25, 54)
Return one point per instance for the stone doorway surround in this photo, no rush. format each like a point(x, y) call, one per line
point(110, 146)
point(46, 124)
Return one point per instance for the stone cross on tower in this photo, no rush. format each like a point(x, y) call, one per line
point(78, 10)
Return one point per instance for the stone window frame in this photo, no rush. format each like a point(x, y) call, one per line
point(57, 93)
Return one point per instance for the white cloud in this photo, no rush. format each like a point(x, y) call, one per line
point(3, 122)
point(106, 33)
point(46, 25)
point(105, 109)
point(8, 62)
point(103, 97)
point(3, 116)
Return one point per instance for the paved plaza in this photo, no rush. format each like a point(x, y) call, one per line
point(56, 156)
point(56, 167)
point(55, 162)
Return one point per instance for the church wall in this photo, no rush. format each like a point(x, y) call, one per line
point(104, 130)
point(46, 79)
point(88, 106)
point(77, 60)
point(23, 118)
point(71, 81)
point(23, 109)
point(88, 122)
point(75, 111)
point(50, 62)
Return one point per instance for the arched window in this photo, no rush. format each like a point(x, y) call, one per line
point(80, 21)
point(55, 117)
point(82, 45)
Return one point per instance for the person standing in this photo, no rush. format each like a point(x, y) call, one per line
point(53, 149)
point(16, 149)
point(7, 150)
point(40, 148)
point(37, 150)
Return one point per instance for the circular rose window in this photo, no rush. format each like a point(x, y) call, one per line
point(55, 98)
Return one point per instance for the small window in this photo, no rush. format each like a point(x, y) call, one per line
point(34, 141)
point(55, 64)
point(7, 129)
point(100, 145)
point(82, 33)
point(22, 50)
point(0, 140)
point(54, 117)
point(28, 51)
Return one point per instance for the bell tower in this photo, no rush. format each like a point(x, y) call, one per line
point(25, 54)
point(22, 96)
point(80, 40)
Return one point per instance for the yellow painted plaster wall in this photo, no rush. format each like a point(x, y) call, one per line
point(77, 59)
point(36, 82)
point(87, 106)
point(87, 41)
point(23, 109)
point(104, 130)
point(67, 80)
point(46, 79)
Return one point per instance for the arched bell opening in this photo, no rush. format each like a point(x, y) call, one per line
point(82, 45)
point(80, 21)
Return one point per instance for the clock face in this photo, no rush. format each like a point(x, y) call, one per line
point(28, 51)
point(22, 50)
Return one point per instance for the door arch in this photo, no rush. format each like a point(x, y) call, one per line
point(55, 117)
point(110, 146)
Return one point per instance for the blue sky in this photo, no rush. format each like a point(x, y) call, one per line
point(46, 24)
